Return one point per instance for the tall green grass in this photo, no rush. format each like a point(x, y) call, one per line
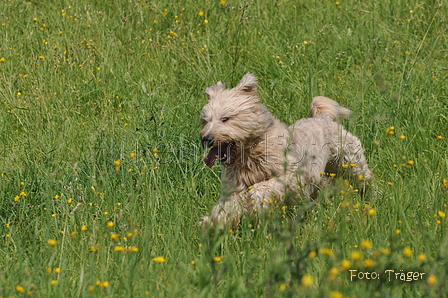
point(102, 180)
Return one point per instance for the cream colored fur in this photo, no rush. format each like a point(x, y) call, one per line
point(266, 157)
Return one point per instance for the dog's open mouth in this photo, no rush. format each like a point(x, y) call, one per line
point(222, 151)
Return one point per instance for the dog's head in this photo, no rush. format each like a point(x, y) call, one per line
point(232, 117)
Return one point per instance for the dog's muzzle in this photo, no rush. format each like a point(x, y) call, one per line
point(207, 141)
point(220, 149)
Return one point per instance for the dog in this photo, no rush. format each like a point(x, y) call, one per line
point(263, 158)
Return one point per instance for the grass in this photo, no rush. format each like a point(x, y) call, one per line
point(102, 180)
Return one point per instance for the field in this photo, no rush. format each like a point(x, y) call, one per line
point(102, 181)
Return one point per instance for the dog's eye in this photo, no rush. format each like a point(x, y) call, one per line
point(225, 119)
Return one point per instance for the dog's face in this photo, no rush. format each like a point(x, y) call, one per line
point(231, 117)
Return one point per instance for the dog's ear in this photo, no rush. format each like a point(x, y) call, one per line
point(212, 89)
point(247, 84)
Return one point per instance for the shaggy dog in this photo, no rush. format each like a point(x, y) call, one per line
point(263, 158)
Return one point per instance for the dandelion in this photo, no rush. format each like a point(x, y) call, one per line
point(159, 260)
point(372, 212)
point(110, 224)
point(421, 257)
point(355, 255)
point(408, 53)
point(397, 232)
point(205, 22)
point(369, 262)
point(390, 130)
point(53, 282)
point(366, 244)
point(312, 254)
point(410, 162)
point(201, 13)
point(326, 251)
point(432, 280)
point(84, 228)
point(335, 294)
point(20, 289)
point(117, 162)
point(346, 264)
point(282, 287)
point(91, 288)
point(52, 242)
point(307, 280)
point(119, 248)
point(438, 137)
point(384, 251)
point(344, 166)
point(402, 137)
point(217, 259)
point(132, 249)
point(222, 2)
point(2, 59)
point(407, 252)
point(333, 273)
point(132, 155)
point(441, 214)
point(115, 236)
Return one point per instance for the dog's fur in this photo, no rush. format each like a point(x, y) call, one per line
point(263, 158)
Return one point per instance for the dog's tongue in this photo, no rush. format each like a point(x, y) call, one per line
point(211, 157)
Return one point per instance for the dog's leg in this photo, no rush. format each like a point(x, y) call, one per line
point(353, 155)
point(263, 194)
point(228, 210)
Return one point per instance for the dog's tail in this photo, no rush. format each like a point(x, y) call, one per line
point(323, 105)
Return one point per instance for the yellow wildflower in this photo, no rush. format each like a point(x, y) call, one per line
point(335, 294)
point(307, 280)
point(346, 264)
point(312, 254)
point(52, 242)
point(407, 252)
point(159, 259)
point(421, 257)
point(369, 262)
point(355, 255)
point(432, 280)
point(366, 244)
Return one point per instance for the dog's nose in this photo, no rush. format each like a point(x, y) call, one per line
point(207, 141)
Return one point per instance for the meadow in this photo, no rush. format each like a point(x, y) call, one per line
point(102, 181)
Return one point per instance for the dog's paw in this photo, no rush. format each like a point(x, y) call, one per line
point(259, 199)
point(205, 222)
